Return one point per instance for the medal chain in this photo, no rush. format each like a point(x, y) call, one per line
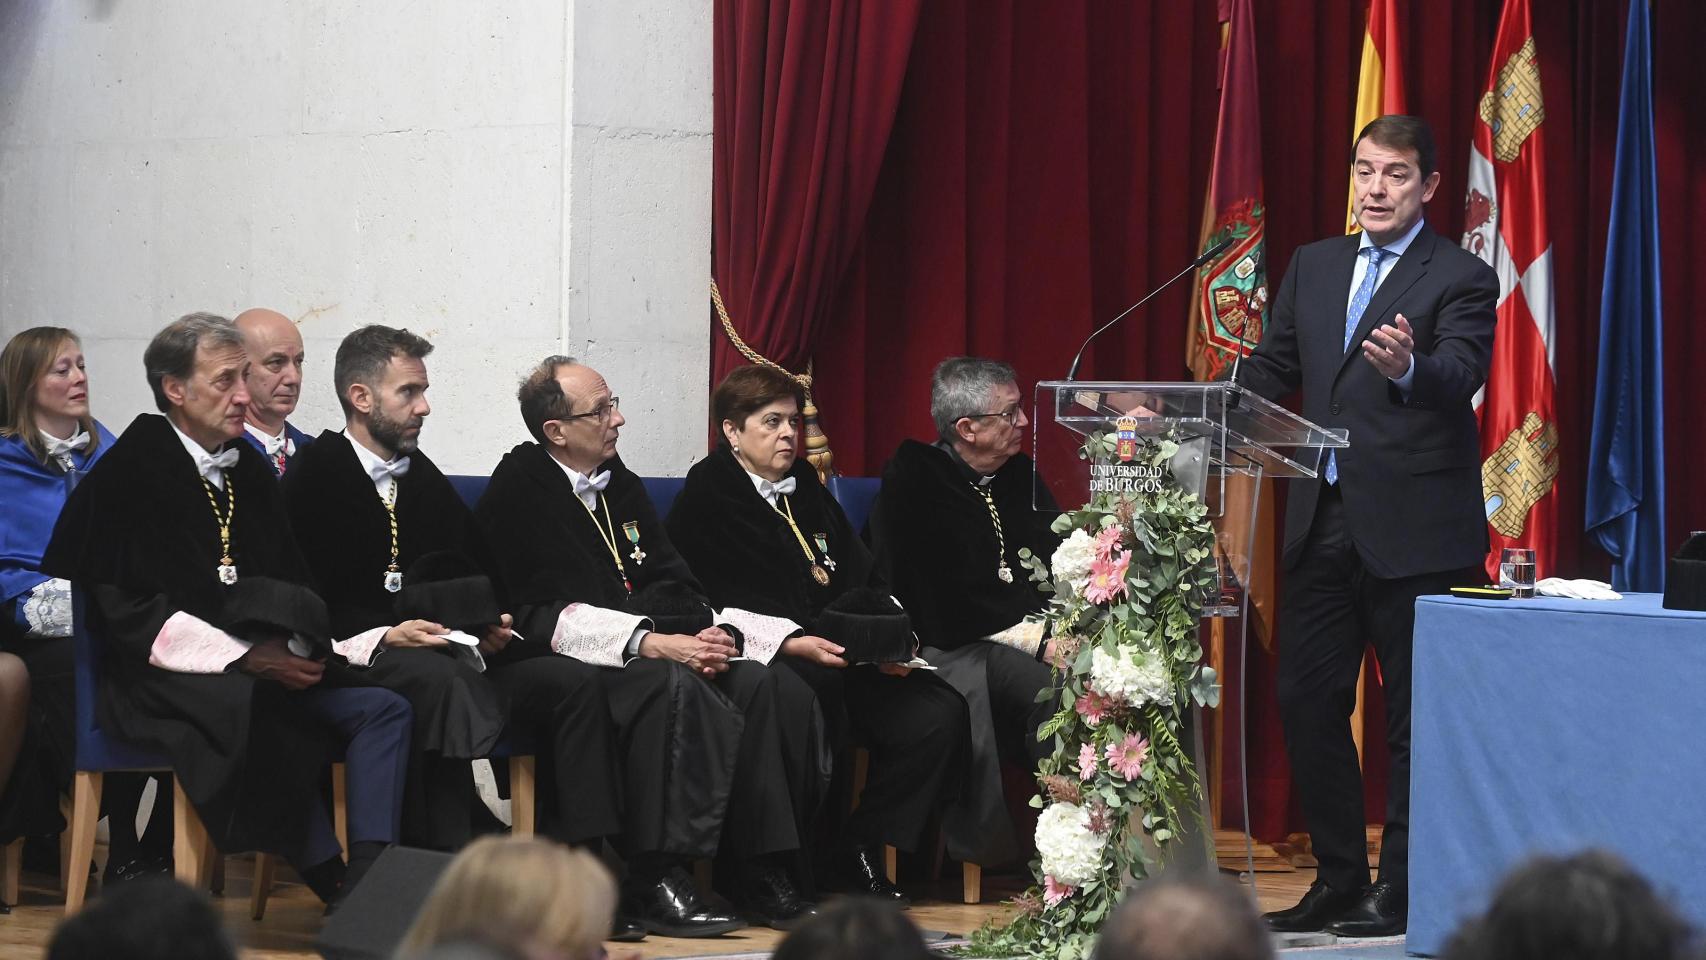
point(224, 521)
point(811, 558)
point(607, 531)
point(390, 501)
point(1000, 534)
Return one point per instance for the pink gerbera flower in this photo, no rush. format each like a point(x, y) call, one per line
point(1107, 579)
point(1126, 756)
point(1107, 541)
point(1054, 891)
point(1093, 707)
point(1086, 761)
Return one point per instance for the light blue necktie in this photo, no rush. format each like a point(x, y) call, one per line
point(1353, 316)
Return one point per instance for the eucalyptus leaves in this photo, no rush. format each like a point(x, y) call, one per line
point(1127, 588)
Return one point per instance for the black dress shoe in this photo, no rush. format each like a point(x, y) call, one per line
point(1381, 912)
point(1319, 907)
point(624, 930)
point(671, 908)
point(768, 897)
point(864, 875)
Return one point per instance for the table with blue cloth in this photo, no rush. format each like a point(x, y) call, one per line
point(1550, 726)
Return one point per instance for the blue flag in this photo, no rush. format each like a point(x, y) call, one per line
point(1626, 482)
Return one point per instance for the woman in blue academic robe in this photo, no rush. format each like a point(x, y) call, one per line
point(47, 441)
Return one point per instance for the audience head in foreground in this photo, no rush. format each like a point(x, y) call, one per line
point(155, 919)
point(855, 928)
point(528, 895)
point(1590, 906)
point(1194, 918)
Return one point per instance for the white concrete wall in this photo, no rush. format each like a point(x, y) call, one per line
point(510, 179)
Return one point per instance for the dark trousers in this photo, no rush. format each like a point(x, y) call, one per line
point(781, 773)
point(1015, 679)
point(1332, 610)
point(561, 704)
point(375, 726)
point(918, 735)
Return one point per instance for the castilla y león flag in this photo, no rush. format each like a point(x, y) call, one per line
point(1506, 226)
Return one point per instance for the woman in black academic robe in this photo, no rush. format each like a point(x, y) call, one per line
point(763, 535)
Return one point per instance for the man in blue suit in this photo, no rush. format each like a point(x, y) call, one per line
point(275, 353)
point(1387, 333)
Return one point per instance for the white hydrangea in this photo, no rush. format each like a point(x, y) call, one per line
point(1072, 559)
point(1135, 681)
point(1071, 853)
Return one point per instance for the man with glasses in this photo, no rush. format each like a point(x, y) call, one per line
point(711, 768)
point(947, 527)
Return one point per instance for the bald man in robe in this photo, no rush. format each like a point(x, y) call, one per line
point(274, 345)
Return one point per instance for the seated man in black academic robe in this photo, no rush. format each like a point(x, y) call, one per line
point(374, 517)
point(764, 535)
point(214, 646)
point(947, 527)
point(594, 577)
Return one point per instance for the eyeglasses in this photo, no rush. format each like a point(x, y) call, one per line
point(1011, 415)
point(602, 411)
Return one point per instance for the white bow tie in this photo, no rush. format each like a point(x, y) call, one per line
point(210, 464)
point(396, 468)
point(275, 444)
point(784, 487)
point(57, 447)
point(589, 487)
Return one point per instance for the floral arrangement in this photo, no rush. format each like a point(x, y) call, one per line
point(1126, 592)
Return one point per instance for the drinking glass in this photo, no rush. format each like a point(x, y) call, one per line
point(1516, 572)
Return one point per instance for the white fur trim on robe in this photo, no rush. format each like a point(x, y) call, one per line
point(189, 644)
point(595, 635)
point(764, 635)
point(1025, 635)
point(360, 649)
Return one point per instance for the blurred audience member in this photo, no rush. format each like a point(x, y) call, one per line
point(1591, 906)
point(527, 895)
point(857, 928)
point(152, 919)
point(1194, 918)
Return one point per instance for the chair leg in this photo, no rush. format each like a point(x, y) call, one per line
point(216, 876)
point(14, 853)
point(340, 806)
point(190, 843)
point(702, 876)
point(523, 795)
point(973, 876)
point(262, 888)
point(890, 867)
point(85, 811)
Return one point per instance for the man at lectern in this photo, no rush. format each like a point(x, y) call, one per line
point(1387, 333)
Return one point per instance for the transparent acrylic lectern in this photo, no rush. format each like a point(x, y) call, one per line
point(1230, 439)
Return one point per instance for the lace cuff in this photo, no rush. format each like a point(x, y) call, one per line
point(360, 649)
point(189, 644)
point(46, 609)
point(1024, 635)
point(595, 635)
point(764, 635)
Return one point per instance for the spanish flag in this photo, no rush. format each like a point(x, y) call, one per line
point(1380, 82)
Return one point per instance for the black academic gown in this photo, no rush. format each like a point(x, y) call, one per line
point(710, 767)
point(459, 713)
point(748, 557)
point(935, 542)
point(139, 537)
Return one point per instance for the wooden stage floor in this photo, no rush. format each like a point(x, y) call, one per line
point(293, 915)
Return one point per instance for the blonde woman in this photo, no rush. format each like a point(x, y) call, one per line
point(529, 895)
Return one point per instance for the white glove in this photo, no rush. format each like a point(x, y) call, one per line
point(1576, 589)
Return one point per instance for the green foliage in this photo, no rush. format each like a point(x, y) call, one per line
point(1171, 568)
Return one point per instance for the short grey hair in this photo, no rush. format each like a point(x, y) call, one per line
point(961, 386)
point(172, 351)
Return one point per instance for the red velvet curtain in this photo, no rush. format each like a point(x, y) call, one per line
point(1047, 166)
point(805, 96)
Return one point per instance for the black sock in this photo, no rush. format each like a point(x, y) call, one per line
point(646, 869)
point(324, 878)
point(362, 854)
